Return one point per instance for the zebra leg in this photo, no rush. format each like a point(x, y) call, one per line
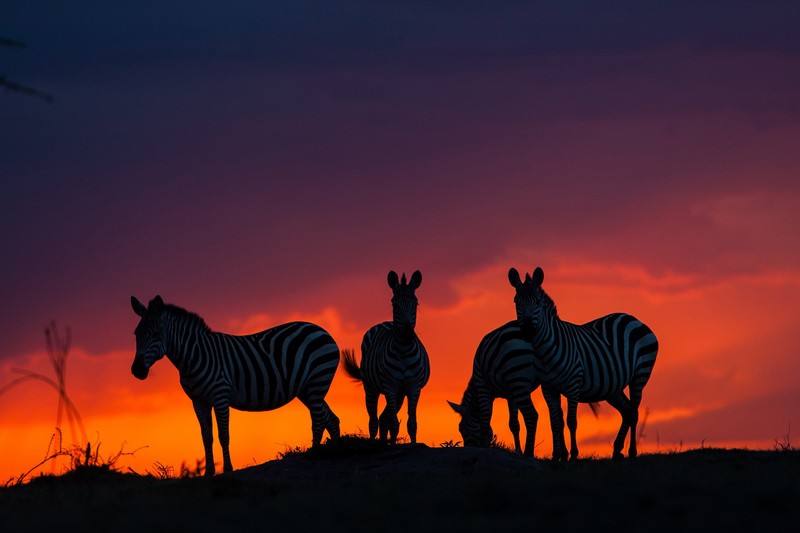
point(331, 421)
point(384, 423)
point(203, 413)
point(553, 400)
point(222, 412)
point(621, 403)
point(411, 425)
point(372, 412)
point(636, 399)
point(513, 424)
point(629, 409)
point(572, 424)
point(531, 418)
point(389, 422)
point(321, 417)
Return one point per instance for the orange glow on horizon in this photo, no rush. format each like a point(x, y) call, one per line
point(709, 360)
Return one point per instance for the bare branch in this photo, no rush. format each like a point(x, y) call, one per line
point(30, 91)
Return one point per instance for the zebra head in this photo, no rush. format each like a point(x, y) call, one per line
point(404, 301)
point(473, 432)
point(528, 299)
point(150, 346)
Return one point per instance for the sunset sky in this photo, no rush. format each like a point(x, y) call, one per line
point(259, 162)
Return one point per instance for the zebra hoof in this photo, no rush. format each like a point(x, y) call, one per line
point(618, 456)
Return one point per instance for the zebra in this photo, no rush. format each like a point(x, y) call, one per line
point(257, 372)
point(590, 362)
point(393, 362)
point(504, 368)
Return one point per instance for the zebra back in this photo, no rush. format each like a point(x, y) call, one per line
point(503, 367)
point(257, 372)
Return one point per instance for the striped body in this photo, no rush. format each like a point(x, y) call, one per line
point(257, 372)
point(394, 363)
point(503, 367)
point(590, 362)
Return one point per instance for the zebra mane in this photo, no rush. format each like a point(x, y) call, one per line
point(187, 316)
point(549, 305)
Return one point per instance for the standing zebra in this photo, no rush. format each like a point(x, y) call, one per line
point(257, 372)
point(587, 363)
point(504, 368)
point(393, 362)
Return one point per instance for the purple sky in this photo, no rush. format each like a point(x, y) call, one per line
point(258, 155)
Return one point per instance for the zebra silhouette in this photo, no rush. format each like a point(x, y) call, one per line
point(587, 363)
point(394, 362)
point(504, 368)
point(257, 372)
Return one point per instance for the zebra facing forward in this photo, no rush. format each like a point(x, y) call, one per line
point(504, 368)
point(590, 362)
point(393, 362)
point(257, 372)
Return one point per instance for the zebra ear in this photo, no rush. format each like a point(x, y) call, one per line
point(138, 307)
point(457, 408)
point(513, 278)
point(156, 305)
point(538, 276)
point(393, 280)
point(416, 280)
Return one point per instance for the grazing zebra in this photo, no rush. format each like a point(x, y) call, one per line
point(590, 362)
point(504, 368)
point(393, 362)
point(257, 372)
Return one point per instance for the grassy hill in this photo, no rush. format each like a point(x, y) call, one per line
point(358, 485)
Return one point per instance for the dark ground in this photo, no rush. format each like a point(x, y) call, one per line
point(414, 487)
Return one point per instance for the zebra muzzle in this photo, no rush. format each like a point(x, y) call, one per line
point(138, 368)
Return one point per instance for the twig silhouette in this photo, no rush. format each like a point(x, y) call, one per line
point(30, 91)
point(642, 423)
point(57, 351)
point(16, 87)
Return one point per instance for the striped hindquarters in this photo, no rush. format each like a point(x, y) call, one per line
point(270, 368)
point(616, 351)
point(504, 363)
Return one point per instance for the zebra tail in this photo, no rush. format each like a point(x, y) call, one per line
point(595, 407)
point(350, 365)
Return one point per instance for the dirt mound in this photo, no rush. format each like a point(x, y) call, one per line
point(402, 460)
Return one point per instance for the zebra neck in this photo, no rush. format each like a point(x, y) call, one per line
point(478, 400)
point(403, 338)
point(182, 346)
point(547, 336)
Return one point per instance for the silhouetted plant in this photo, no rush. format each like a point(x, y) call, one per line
point(642, 422)
point(500, 445)
point(785, 443)
point(450, 444)
point(89, 458)
point(80, 459)
point(292, 451)
point(58, 352)
point(197, 471)
point(162, 471)
point(53, 452)
point(16, 87)
point(345, 446)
